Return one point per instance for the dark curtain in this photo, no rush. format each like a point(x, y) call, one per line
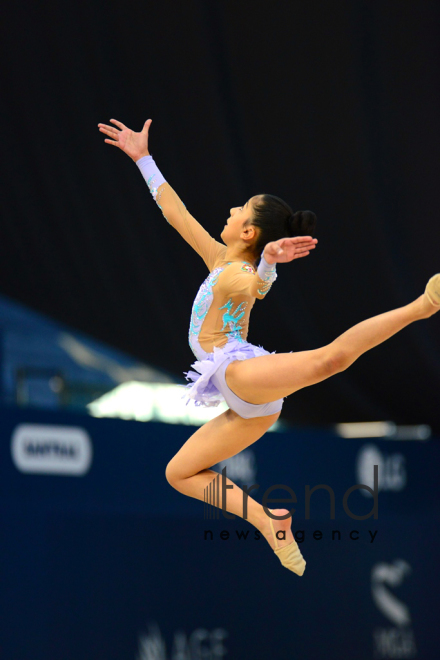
point(333, 106)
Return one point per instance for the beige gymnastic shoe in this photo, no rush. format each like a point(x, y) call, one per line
point(290, 555)
point(432, 290)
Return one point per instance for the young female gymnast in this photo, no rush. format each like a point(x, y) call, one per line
point(251, 381)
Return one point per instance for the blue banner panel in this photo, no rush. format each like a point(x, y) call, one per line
point(101, 559)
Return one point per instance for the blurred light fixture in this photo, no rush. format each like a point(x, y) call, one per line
point(388, 430)
point(159, 402)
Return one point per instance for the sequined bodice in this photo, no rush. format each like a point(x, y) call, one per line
point(226, 320)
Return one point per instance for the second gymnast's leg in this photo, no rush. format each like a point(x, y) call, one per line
point(270, 377)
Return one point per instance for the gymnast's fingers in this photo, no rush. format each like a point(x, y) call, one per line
point(302, 239)
point(304, 246)
point(298, 240)
point(300, 245)
point(112, 133)
point(119, 124)
point(109, 128)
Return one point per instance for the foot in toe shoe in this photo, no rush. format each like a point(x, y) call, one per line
point(289, 555)
point(432, 290)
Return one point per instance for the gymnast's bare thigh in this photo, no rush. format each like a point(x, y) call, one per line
point(264, 422)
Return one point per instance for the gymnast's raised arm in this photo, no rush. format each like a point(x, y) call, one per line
point(173, 209)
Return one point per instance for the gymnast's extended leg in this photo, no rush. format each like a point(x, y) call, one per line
point(270, 377)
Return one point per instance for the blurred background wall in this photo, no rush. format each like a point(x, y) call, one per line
point(333, 106)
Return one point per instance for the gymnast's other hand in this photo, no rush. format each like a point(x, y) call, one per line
point(133, 144)
point(287, 249)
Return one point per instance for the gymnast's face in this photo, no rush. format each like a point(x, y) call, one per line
point(233, 229)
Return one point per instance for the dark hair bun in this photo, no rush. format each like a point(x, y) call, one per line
point(302, 223)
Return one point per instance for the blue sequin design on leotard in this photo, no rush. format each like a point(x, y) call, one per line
point(200, 307)
point(232, 319)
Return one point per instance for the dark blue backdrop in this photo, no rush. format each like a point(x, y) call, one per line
point(113, 564)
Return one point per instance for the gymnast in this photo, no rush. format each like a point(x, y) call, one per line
point(252, 381)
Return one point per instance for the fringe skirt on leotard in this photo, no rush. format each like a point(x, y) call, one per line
point(202, 390)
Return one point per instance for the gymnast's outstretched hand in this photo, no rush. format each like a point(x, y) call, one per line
point(287, 249)
point(133, 144)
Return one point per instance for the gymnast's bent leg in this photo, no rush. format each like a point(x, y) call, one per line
point(270, 377)
point(219, 439)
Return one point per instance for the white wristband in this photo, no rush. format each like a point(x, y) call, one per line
point(151, 174)
point(266, 271)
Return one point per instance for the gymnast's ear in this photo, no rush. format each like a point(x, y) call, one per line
point(249, 232)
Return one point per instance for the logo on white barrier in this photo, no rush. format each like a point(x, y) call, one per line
point(397, 641)
point(47, 449)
